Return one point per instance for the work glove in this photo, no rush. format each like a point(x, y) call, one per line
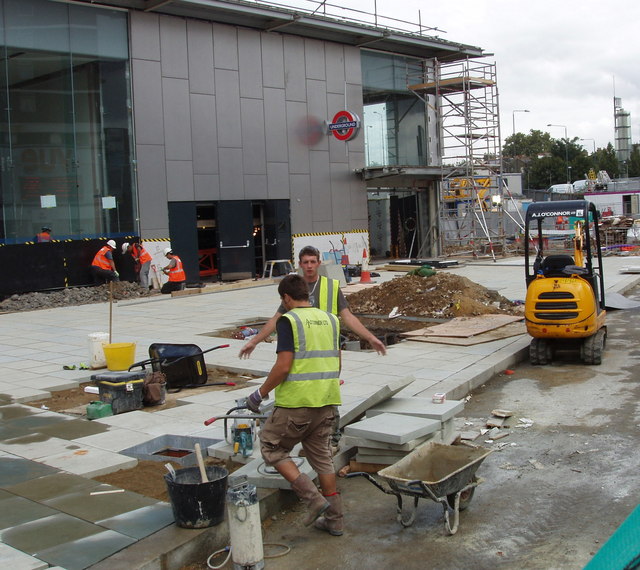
point(116, 274)
point(253, 401)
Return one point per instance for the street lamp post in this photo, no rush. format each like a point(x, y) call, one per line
point(594, 143)
point(513, 117)
point(566, 149)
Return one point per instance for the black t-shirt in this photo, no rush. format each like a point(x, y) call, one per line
point(285, 335)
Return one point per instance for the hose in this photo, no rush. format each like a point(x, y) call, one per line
point(286, 551)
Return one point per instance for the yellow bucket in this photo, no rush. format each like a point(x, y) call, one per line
point(119, 355)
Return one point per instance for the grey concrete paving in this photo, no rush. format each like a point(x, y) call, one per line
point(36, 445)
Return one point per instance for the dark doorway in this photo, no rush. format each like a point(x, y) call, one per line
point(236, 244)
point(184, 237)
point(404, 227)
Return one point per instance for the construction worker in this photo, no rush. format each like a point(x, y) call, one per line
point(142, 259)
point(103, 268)
point(175, 271)
point(324, 294)
point(306, 381)
point(44, 236)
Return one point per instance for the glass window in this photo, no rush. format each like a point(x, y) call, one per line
point(394, 118)
point(65, 129)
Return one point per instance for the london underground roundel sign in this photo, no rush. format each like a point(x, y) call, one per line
point(344, 126)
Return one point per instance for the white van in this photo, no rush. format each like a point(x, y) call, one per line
point(580, 185)
point(561, 189)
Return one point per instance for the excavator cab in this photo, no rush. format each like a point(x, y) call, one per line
point(564, 306)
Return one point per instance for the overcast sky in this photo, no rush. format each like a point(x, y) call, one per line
point(558, 59)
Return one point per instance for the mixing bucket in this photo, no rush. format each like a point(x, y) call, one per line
point(196, 504)
point(96, 353)
point(119, 355)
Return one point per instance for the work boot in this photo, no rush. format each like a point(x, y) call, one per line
point(308, 493)
point(332, 520)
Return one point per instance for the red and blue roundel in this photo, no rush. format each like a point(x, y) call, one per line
point(344, 126)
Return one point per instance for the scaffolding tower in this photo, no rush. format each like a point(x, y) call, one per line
point(464, 95)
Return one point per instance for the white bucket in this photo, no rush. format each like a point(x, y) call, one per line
point(97, 358)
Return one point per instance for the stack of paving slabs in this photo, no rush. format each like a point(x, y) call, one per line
point(395, 427)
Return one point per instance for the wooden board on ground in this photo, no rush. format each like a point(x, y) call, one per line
point(467, 326)
point(506, 331)
point(355, 287)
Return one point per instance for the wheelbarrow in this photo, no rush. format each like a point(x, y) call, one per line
point(443, 473)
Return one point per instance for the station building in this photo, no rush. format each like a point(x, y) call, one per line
point(228, 129)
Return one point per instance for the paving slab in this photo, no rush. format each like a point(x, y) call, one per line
point(36, 446)
point(383, 393)
point(84, 552)
point(260, 475)
point(115, 439)
point(18, 560)
point(352, 441)
point(17, 470)
point(420, 407)
point(53, 485)
point(393, 428)
point(89, 461)
point(17, 510)
point(139, 523)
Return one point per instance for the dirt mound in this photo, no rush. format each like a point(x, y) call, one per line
point(443, 295)
point(73, 296)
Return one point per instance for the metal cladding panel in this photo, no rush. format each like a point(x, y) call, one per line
point(173, 47)
point(277, 180)
point(250, 61)
point(301, 210)
point(177, 118)
point(225, 47)
point(275, 125)
point(204, 134)
point(272, 60)
point(335, 68)
point(321, 185)
point(147, 102)
point(298, 153)
point(255, 187)
point(231, 180)
point(228, 109)
point(180, 180)
point(152, 186)
point(317, 107)
point(254, 159)
point(341, 196)
point(206, 187)
point(295, 72)
point(314, 59)
point(200, 49)
point(145, 36)
point(353, 64)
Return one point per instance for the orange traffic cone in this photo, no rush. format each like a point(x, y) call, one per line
point(365, 276)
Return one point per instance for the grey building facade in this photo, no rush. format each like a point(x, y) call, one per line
point(205, 123)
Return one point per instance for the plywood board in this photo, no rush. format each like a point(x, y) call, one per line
point(506, 331)
point(464, 327)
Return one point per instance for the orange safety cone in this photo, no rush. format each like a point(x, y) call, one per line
point(365, 276)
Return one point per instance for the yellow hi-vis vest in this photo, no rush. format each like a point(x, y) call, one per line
point(328, 294)
point(313, 379)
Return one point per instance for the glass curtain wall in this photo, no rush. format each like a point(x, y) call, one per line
point(394, 118)
point(65, 122)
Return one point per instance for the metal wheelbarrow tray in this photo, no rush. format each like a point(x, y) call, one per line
point(443, 473)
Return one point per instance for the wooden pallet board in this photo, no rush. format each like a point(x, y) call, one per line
point(506, 331)
point(464, 327)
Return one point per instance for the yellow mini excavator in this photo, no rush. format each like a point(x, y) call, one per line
point(564, 306)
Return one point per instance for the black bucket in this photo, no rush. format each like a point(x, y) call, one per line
point(196, 504)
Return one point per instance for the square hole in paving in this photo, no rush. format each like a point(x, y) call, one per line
point(177, 448)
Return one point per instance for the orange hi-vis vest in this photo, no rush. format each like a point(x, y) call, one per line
point(142, 254)
point(177, 273)
point(100, 260)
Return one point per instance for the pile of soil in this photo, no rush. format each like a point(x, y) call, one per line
point(443, 295)
point(74, 296)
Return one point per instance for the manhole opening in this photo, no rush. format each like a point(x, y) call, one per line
point(180, 448)
point(171, 452)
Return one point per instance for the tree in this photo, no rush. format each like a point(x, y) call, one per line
point(606, 159)
point(531, 145)
point(634, 161)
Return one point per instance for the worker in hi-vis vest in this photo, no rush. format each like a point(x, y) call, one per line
point(305, 380)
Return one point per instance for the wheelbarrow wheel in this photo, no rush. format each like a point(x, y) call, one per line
point(465, 498)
